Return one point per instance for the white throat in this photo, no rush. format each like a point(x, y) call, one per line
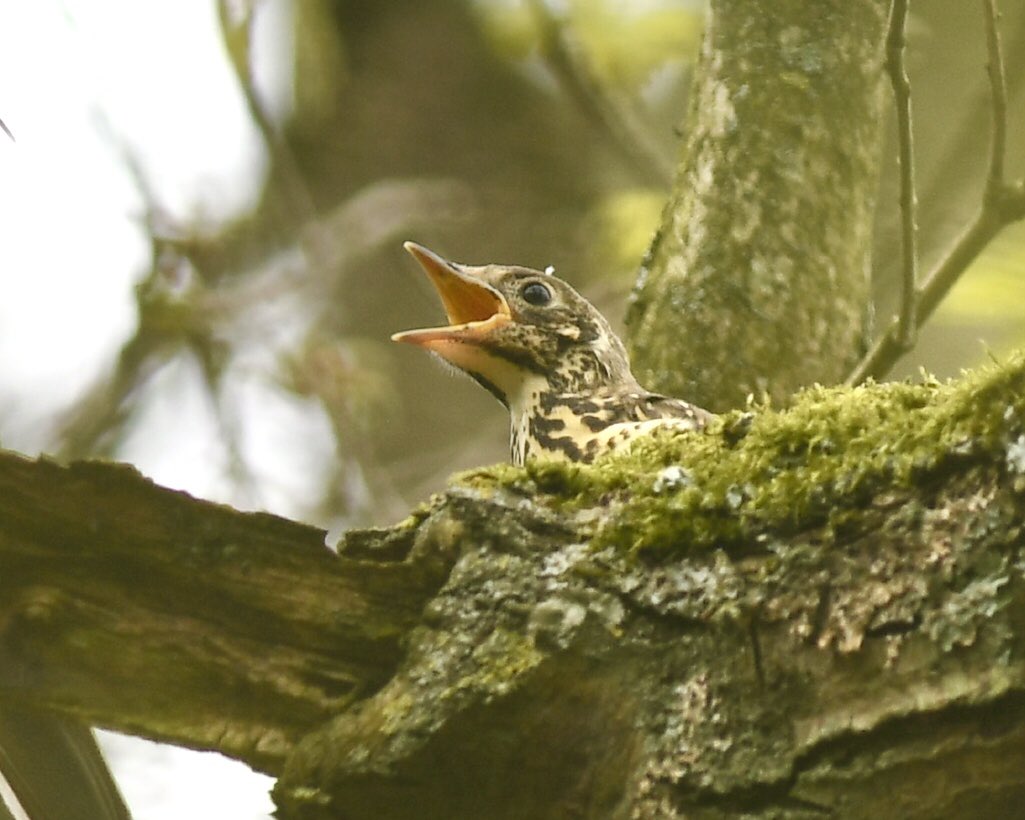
point(522, 407)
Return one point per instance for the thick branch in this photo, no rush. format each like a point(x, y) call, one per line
point(810, 608)
point(757, 280)
point(144, 610)
point(745, 633)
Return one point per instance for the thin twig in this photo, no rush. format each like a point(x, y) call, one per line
point(1002, 203)
point(998, 94)
point(7, 130)
point(93, 425)
point(614, 123)
point(907, 323)
point(236, 30)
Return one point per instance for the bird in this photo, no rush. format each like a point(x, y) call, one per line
point(548, 355)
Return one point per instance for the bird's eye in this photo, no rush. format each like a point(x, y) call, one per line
point(535, 293)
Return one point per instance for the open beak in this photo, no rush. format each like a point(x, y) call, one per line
point(474, 308)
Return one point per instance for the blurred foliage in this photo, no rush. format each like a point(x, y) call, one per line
point(626, 48)
point(621, 226)
point(452, 122)
point(405, 119)
point(624, 43)
point(321, 63)
point(993, 288)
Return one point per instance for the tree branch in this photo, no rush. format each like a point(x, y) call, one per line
point(907, 325)
point(706, 651)
point(830, 580)
point(141, 609)
point(730, 300)
point(236, 22)
point(998, 94)
point(1002, 203)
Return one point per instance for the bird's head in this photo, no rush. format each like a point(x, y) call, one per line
point(517, 330)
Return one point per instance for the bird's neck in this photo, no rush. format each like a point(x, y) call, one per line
point(541, 415)
point(524, 404)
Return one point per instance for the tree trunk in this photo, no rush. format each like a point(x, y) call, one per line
point(758, 278)
point(818, 612)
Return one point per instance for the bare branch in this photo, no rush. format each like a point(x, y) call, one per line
point(895, 48)
point(236, 25)
point(7, 131)
point(998, 92)
point(1002, 203)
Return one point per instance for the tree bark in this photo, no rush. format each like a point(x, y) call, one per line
point(758, 277)
point(818, 612)
point(139, 608)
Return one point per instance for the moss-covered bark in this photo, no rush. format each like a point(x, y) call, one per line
point(758, 278)
point(810, 612)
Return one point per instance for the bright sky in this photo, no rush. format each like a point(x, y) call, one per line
point(76, 78)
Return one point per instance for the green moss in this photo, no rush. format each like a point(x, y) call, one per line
point(750, 476)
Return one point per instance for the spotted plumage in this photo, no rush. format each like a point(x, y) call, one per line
point(548, 355)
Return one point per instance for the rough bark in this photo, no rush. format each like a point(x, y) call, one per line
point(758, 277)
point(802, 613)
point(140, 608)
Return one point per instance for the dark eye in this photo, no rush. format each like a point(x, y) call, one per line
point(535, 293)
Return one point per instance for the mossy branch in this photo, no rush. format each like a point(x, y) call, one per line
point(713, 623)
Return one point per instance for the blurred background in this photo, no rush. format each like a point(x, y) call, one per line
point(203, 206)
